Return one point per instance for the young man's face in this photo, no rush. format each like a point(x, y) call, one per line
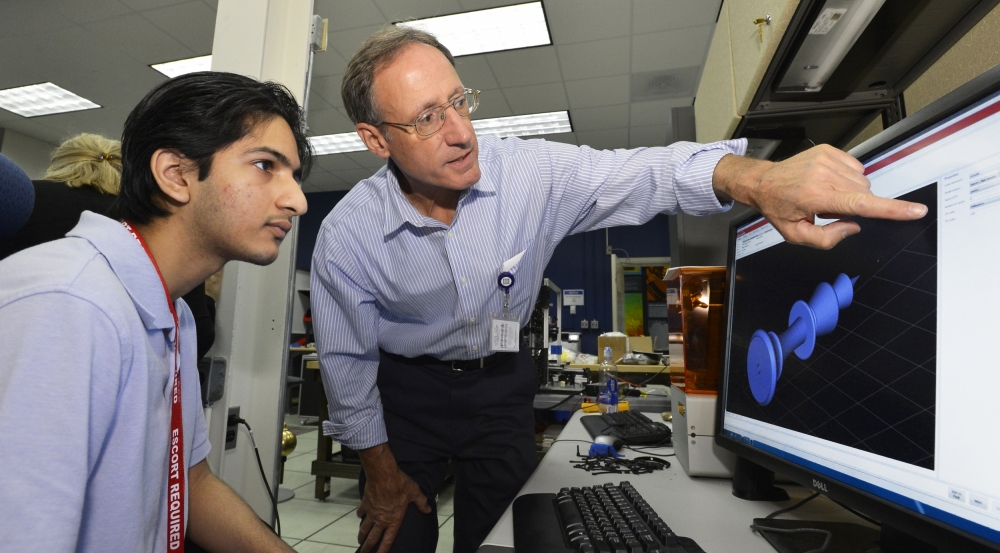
point(421, 78)
point(243, 209)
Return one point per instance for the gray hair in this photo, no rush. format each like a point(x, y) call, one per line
point(358, 87)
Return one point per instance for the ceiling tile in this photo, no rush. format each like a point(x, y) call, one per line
point(23, 17)
point(328, 121)
point(583, 20)
point(354, 176)
point(329, 89)
point(541, 98)
point(336, 162)
point(492, 104)
point(308, 188)
point(399, 10)
point(328, 63)
point(604, 140)
point(87, 11)
point(140, 5)
point(597, 58)
point(602, 91)
point(653, 135)
point(348, 41)
point(214, 4)
point(192, 24)
point(367, 160)
point(470, 5)
point(349, 14)
point(656, 112)
point(139, 39)
point(475, 72)
point(525, 66)
point(564, 137)
point(599, 118)
point(670, 49)
point(316, 102)
point(660, 15)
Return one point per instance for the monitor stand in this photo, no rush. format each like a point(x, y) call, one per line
point(846, 538)
point(753, 482)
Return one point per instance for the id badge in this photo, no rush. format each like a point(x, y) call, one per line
point(505, 333)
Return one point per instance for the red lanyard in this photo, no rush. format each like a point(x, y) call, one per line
point(176, 474)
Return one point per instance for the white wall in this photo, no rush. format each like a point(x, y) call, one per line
point(30, 154)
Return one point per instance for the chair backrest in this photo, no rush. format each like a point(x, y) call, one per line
point(17, 197)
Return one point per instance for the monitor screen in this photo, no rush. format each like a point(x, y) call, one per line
point(872, 366)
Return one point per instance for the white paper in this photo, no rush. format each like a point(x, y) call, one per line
point(505, 334)
point(510, 263)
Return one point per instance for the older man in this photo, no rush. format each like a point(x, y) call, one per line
point(411, 317)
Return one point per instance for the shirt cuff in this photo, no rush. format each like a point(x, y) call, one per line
point(369, 433)
point(696, 179)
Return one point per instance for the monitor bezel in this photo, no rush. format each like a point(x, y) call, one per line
point(920, 526)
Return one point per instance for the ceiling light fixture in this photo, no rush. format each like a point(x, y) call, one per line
point(180, 67)
point(336, 143)
point(525, 125)
point(830, 38)
point(492, 30)
point(518, 125)
point(42, 99)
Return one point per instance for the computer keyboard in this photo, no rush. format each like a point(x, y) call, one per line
point(599, 519)
point(632, 427)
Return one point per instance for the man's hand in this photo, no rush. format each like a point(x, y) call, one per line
point(388, 493)
point(821, 181)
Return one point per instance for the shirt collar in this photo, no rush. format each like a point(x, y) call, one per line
point(399, 210)
point(130, 264)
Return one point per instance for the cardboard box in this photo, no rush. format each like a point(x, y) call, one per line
point(616, 343)
point(641, 343)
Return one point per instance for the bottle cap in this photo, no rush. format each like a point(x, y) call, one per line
point(607, 353)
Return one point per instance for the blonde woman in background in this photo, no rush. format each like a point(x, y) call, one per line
point(85, 175)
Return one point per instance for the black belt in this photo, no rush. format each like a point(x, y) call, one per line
point(481, 363)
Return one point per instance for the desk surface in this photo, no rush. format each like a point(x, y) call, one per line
point(702, 509)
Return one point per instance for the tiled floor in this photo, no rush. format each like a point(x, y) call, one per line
point(331, 526)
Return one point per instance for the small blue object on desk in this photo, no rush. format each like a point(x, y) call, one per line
point(603, 450)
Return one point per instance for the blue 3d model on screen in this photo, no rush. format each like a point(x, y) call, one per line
point(806, 321)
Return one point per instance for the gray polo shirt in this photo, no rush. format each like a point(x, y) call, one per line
point(86, 371)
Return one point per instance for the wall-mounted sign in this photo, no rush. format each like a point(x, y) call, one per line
point(572, 297)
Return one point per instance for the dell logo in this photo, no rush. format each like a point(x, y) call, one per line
point(820, 486)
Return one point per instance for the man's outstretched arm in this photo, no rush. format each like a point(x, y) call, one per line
point(220, 521)
point(821, 181)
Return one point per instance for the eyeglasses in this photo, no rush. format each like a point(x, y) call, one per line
point(431, 120)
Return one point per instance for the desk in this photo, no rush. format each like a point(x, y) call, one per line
point(702, 509)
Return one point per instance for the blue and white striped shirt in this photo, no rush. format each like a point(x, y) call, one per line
point(385, 276)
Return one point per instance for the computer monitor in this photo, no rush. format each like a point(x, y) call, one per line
point(871, 372)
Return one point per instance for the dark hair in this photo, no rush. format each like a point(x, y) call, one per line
point(197, 114)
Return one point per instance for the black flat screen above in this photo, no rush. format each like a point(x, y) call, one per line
point(869, 371)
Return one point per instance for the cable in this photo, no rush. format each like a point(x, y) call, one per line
point(793, 507)
point(821, 549)
point(858, 514)
point(648, 380)
point(827, 533)
point(267, 486)
point(567, 398)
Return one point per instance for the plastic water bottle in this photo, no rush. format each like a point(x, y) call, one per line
point(607, 377)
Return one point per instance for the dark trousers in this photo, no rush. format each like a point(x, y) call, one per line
point(481, 421)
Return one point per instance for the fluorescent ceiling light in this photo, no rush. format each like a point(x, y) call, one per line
point(180, 67)
point(492, 30)
point(525, 125)
point(42, 99)
point(518, 125)
point(336, 143)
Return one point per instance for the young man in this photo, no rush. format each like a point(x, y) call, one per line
point(101, 425)
point(405, 275)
